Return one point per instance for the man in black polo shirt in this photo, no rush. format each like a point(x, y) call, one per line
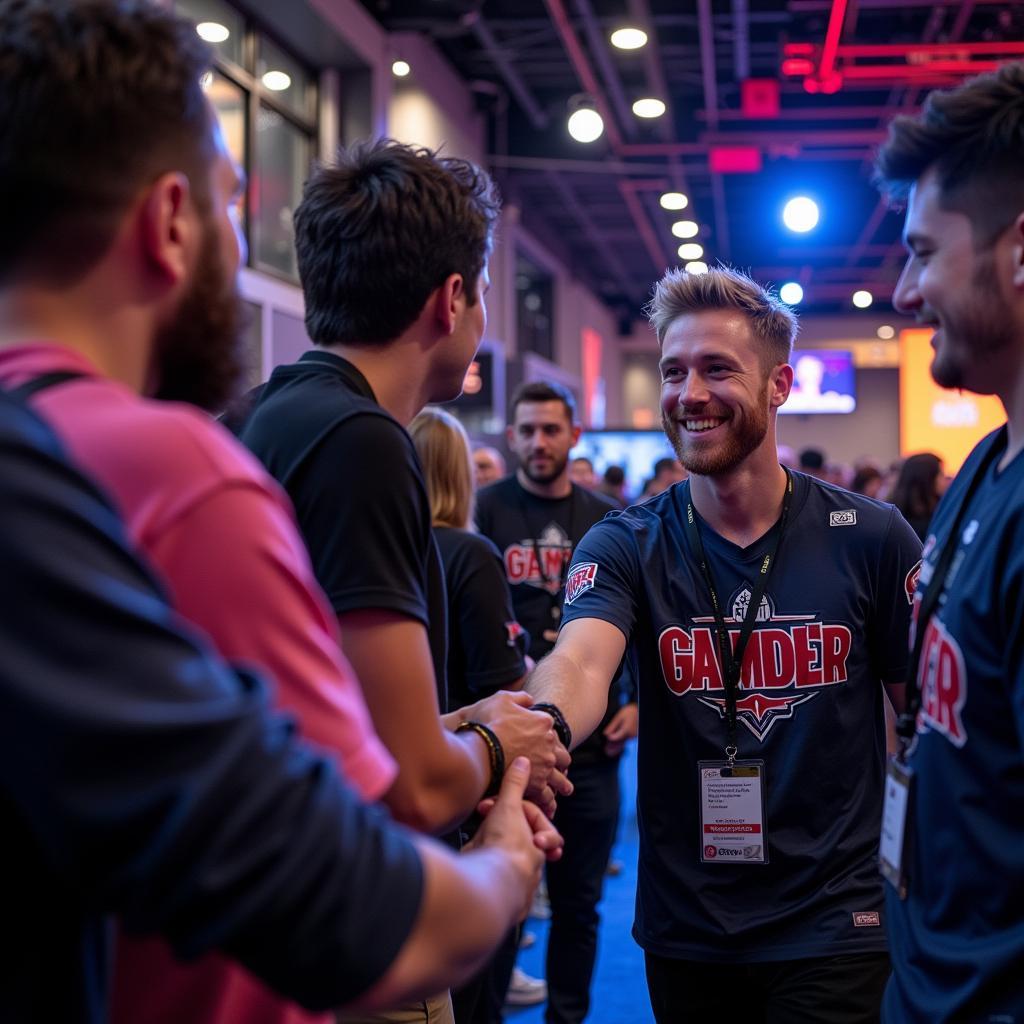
point(392, 248)
point(535, 518)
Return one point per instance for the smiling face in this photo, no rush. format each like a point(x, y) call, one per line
point(949, 284)
point(716, 396)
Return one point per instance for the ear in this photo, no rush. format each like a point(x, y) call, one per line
point(1018, 253)
point(510, 435)
point(781, 382)
point(577, 429)
point(448, 299)
point(167, 227)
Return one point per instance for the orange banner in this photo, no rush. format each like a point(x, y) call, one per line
point(933, 419)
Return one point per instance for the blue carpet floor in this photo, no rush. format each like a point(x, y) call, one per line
point(619, 992)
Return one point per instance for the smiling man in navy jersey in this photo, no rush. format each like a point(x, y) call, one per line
point(766, 610)
point(958, 932)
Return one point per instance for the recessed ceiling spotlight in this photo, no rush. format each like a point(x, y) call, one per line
point(400, 68)
point(690, 251)
point(685, 228)
point(585, 123)
point(886, 332)
point(800, 214)
point(863, 298)
point(696, 267)
point(629, 38)
point(791, 293)
point(674, 201)
point(212, 31)
point(277, 81)
point(649, 106)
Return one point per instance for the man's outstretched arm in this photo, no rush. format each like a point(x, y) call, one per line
point(578, 673)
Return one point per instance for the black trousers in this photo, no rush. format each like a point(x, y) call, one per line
point(588, 820)
point(821, 990)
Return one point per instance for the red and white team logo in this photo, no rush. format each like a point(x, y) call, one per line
point(581, 579)
point(788, 660)
point(539, 564)
point(942, 677)
point(513, 632)
point(710, 851)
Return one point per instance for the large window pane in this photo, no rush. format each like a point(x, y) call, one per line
point(281, 165)
point(220, 25)
point(286, 78)
point(228, 100)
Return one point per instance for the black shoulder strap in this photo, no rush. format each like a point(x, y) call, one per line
point(47, 380)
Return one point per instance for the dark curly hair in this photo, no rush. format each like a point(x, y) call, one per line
point(973, 137)
point(382, 228)
point(97, 99)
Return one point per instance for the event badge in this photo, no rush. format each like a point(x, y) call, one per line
point(732, 812)
point(892, 846)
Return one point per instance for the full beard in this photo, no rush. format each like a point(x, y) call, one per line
point(726, 454)
point(545, 477)
point(979, 330)
point(199, 354)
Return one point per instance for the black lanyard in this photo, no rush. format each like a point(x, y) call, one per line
point(935, 590)
point(732, 660)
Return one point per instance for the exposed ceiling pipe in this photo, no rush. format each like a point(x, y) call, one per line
point(827, 61)
point(603, 167)
point(597, 240)
point(599, 49)
point(709, 78)
point(583, 70)
point(741, 38)
point(515, 83)
point(627, 190)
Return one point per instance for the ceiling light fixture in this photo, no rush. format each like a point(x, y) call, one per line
point(629, 38)
point(649, 106)
point(685, 229)
point(800, 214)
point(886, 332)
point(277, 81)
point(212, 31)
point(791, 293)
point(696, 267)
point(690, 251)
point(585, 123)
point(674, 201)
point(400, 68)
point(863, 298)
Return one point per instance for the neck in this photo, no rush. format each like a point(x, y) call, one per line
point(1012, 398)
point(398, 379)
point(108, 337)
point(741, 505)
point(560, 487)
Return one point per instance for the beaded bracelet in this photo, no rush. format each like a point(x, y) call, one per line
point(562, 729)
point(495, 752)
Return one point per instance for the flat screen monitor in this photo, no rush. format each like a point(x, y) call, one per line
point(635, 450)
point(823, 382)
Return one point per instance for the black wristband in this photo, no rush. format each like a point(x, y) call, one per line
point(495, 752)
point(562, 729)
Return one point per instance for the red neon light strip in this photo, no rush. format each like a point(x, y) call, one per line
point(826, 65)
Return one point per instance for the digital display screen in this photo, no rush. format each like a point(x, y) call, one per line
point(636, 451)
point(823, 382)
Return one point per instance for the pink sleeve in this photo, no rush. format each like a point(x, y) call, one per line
point(237, 568)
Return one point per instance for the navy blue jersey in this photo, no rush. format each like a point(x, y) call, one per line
point(958, 939)
point(831, 628)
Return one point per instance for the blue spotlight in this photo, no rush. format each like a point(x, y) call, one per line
point(791, 293)
point(800, 214)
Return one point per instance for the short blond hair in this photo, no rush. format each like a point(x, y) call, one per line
point(443, 448)
point(773, 323)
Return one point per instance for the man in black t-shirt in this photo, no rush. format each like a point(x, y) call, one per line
point(394, 295)
point(536, 517)
point(767, 613)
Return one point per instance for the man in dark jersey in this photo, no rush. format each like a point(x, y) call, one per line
point(958, 934)
point(765, 611)
point(536, 517)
